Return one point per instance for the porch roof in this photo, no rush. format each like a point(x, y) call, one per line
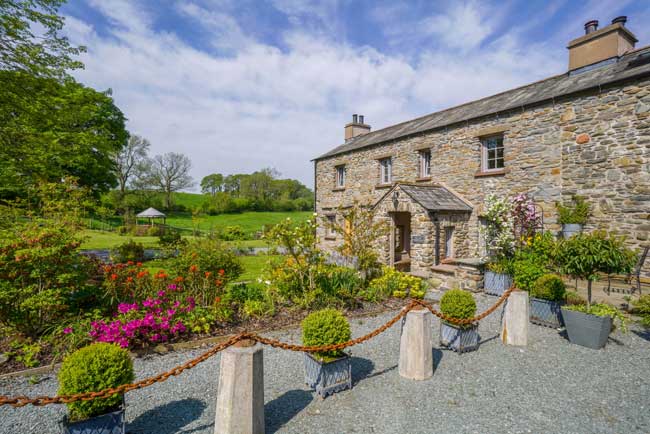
point(435, 198)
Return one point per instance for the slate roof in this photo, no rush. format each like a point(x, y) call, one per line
point(533, 93)
point(432, 197)
point(151, 213)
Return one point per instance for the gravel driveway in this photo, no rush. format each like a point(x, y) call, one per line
point(550, 386)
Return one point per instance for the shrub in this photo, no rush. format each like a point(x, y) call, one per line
point(232, 233)
point(207, 256)
point(576, 213)
point(326, 327)
point(91, 369)
point(154, 231)
point(642, 307)
point(526, 273)
point(338, 285)
point(458, 304)
point(601, 309)
point(501, 265)
point(549, 287)
point(393, 283)
point(170, 238)
point(129, 251)
point(41, 273)
point(251, 300)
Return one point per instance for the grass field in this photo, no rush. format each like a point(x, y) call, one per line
point(99, 240)
point(250, 222)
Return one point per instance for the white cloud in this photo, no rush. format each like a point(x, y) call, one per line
point(265, 106)
point(464, 25)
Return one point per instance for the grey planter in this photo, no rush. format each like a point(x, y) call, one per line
point(459, 339)
point(546, 313)
point(570, 229)
point(109, 423)
point(329, 377)
point(590, 331)
point(496, 283)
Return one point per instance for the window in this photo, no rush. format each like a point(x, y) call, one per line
point(329, 227)
point(385, 167)
point(340, 176)
point(449, 242)
point(425, 164)
point(492, 158)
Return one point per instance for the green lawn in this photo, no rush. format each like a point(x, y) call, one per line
point(250, 222)
point(98, 240)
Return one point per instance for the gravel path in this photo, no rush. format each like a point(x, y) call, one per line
point(550, 386)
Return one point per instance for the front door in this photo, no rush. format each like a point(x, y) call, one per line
point(401, 240)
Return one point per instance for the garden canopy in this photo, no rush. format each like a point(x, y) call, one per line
point(151, 214)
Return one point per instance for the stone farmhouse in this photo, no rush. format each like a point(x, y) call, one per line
point(586, 132)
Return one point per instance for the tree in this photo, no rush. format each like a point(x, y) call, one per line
point(168, 173)
point(30, 40)
point(129, 160)
point(51, 129)
point(212, 184)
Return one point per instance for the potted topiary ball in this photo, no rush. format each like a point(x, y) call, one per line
point(546, 298)
point(91, 369)
point(498, 276)
point(327, 372)
point(458, 304)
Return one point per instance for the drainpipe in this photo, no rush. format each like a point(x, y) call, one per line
point(315, 184)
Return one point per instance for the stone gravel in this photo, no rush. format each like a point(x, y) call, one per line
point(549, 386)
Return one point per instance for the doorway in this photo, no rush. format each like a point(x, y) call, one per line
point(400, 240)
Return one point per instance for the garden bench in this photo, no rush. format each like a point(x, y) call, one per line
point(633, 278)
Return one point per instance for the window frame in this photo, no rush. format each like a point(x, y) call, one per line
point(340, 176)
point(389, 170)
point(424, 163)
point(485, 159)
point(330, 234)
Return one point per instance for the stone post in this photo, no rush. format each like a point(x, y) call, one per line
point(514, 326)
point(240, 400)
point(415, 348)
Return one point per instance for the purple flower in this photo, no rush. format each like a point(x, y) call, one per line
point(67, 330)
point(172, 286)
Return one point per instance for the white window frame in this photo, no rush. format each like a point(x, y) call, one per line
point(486, 143)
point(386, 170)
point(340, 176)
point(425, 163)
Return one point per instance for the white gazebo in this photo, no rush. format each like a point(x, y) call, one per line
point(151, 214)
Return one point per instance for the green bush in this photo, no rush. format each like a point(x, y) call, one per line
point(326, 327)
point(154, 231)
point(642, 308)
point(207, 255)
point(393, 283)
point(549, 287)
point(458, 304)
point(232, 233)
point(502, 265)
point(91, 369)
point(170, 238)
point(129, 251)
point(338, 285)
point(526, 273)
point(576, 213)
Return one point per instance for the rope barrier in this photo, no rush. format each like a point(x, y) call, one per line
point(21, 401)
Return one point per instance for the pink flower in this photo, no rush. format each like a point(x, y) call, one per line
point(172, 286)
point(67, 330)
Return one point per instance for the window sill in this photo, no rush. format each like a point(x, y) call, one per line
point(423, 179)
point(380, 186)
point(338, 189)
point(499, 172)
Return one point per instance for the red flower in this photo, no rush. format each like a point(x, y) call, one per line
point(221, 272)
point(114, 276)
point(129, 263)
point(141, 274)
point(107, 268)
point(207, 274)
point(139, 264)
point(129, 279)
point(217, 300)
point(178, 279)
point(218, 282)
point(193, 268)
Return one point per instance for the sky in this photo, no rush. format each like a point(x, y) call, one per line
point(240, 85)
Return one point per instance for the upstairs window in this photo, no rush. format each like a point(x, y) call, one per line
point(340, 176)
point(385, 169)
point(425, 164)
point(492, 153)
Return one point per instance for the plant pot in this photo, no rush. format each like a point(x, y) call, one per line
point(588, 330)
point(109, 423)
point(546, 313)
point(570, 229)
point(328, 377)
point(496, 283)
point(459, 339)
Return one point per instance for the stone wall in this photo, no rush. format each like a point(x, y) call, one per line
point(596, 144)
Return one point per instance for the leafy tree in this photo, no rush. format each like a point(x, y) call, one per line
point(212, 184)
point(30, 40)
point(128, 162)
point(168, 173)
point(51, 129)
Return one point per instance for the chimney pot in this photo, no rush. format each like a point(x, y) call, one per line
point(356, 127)
point(354, 119)
point(591, 26)
point(622, 19)
point(360, 119)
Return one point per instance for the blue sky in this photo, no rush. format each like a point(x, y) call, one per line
point(238, 85)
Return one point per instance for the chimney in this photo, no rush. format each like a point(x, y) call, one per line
point(356, 127)
point(598, 45)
